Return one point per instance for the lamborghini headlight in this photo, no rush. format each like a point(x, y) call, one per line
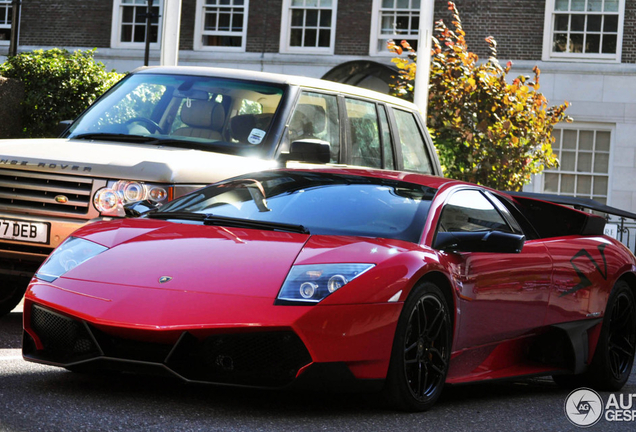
point(309, 284)
point(68, 255)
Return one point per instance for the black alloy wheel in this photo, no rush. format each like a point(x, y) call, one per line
point(421, 350)
point(622, 335)
point(424, 348)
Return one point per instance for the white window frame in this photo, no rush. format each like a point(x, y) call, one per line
point(548, 31)
point(8, 10)
point(115, 33)
point(199, 31)
point(285, 31)
point(539, 182)
point(376, 28)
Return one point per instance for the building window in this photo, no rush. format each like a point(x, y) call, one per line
point(394, 19)
point(584, 156)
point(308, 26)
point(221, 25)
point(583, 29)
point(129, 23)
point(6, 13)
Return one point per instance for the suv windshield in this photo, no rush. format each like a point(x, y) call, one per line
point(331, 204)
point(205, 112)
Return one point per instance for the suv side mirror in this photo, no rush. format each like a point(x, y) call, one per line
point(479, 241)
point(309, 150)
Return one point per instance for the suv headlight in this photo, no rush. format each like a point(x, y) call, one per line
point(110, 201)
point(71, 253)
point(309, 284)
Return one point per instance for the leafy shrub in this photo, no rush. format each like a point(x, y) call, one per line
point(59, 85)
point(486, 130)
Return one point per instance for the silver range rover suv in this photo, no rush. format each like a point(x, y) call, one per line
point(162, 132)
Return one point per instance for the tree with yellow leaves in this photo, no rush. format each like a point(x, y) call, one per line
point(486, 130)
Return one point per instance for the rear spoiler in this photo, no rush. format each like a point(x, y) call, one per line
point(577, 203)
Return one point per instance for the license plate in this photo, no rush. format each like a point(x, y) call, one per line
point(33, 232)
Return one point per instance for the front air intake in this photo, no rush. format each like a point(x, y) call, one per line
point(268, 359)
point(64, 339)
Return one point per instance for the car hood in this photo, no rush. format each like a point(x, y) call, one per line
point(114, 160)
point(190, 258)
point(221, 276)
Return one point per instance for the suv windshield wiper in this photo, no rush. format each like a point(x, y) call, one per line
point(229, 221)
point(115, 137)
point(212, 146)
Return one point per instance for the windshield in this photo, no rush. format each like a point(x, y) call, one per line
point(331, 204)
point(220, 113)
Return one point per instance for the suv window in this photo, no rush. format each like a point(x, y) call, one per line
point(316, 117)
point(412, 144)
point(469, 210)
point(365, 134)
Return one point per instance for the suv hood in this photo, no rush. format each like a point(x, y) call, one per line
point(115, 160)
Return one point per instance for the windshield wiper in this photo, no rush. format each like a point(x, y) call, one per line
point(229, 221)
point(115, 137)
point(212, 146)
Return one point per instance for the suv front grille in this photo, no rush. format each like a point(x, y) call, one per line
point(30, 192)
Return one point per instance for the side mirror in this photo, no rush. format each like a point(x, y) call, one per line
point(138, 208)
point(309, 150)
point(62, 126)
point(479, 241)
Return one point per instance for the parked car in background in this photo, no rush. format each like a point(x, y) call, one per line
point(164, 131)
point(393, 281)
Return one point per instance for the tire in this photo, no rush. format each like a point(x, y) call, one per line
point(11, 292)
point(614, 355)
point(421, 350)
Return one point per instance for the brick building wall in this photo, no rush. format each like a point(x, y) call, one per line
point(353, 27)
point(188, 11)
point(516, 25)
point(263, 26)
point(84, 23)
point(629, 33)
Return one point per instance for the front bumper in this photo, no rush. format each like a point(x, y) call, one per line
point(281, 346)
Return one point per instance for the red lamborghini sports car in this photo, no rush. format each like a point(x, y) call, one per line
point(395, 281)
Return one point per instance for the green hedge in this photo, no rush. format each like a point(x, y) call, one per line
point(58, 85)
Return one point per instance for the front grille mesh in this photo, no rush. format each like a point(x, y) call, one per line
point(29, 191)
